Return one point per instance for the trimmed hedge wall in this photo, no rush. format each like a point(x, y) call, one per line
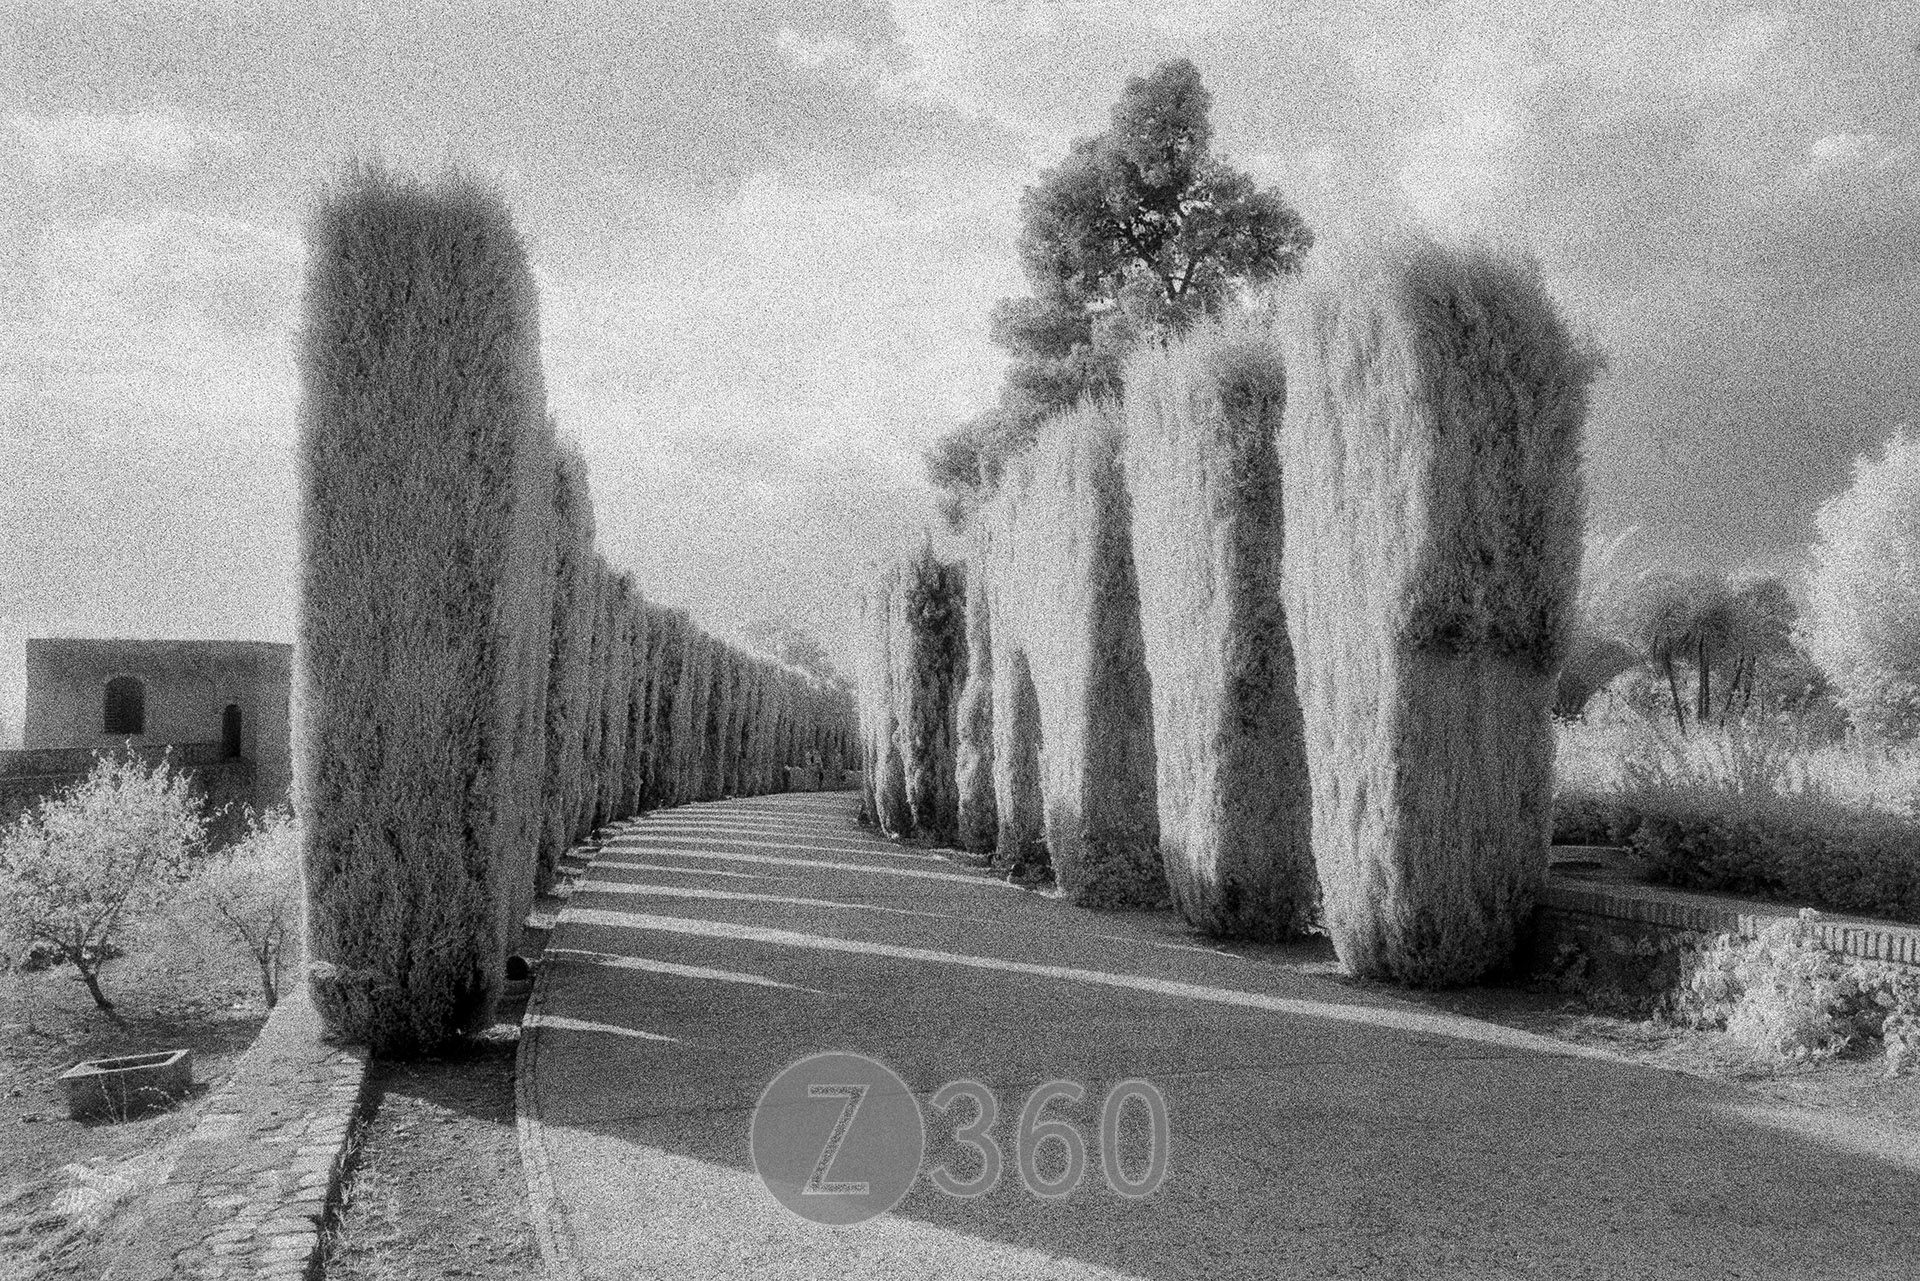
point(979, 816)
point(426, 470)
point(1071, 692)
point(1433, 506)
point(1203, 421)
point(476, 689)
point(1796, 849)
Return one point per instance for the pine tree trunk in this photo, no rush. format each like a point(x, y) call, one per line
point(1703, 696)
point(1673, 688)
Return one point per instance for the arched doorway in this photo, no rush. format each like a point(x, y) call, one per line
point(230, 731)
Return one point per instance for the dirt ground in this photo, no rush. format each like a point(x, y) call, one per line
point(437, 1190)
point(48, 1023)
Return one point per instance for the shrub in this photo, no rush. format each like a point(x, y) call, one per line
point(979, 817)
point(1072, 700)
point(1203, 417)
point(249, 895)
point(425, 452)
point(1803, 849)
point(1786, 998)
point(95, 857)
point(1433, 510)
point(1759, 806)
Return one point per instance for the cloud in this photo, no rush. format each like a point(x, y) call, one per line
point(140, 139)
point(1837, 150)
point(176, 307)
point(899, 76)
point(1460, 170)
point(803, 310)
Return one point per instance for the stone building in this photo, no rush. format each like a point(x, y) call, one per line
point(223, 706)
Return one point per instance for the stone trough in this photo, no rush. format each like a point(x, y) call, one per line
point(122, 1086)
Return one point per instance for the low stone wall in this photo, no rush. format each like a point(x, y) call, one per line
point(1622, 944)
point(252, 1186)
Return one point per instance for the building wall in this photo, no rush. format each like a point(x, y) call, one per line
point(187, 686)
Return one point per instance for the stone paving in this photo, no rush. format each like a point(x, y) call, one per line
point(250, 1189)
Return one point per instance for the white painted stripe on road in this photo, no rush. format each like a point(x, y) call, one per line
point(1413, 1022)
point(689, 891)
point(882, 851)
point(984, 881)
point(618, 961)
point(689, 871)
point(565, 1024)
point(1175, 947)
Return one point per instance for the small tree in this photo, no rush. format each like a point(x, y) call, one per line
point(1863, 592)
point(1139, 230)
point(250, 894)
point(86, 862)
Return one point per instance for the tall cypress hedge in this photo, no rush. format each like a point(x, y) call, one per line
point(1203, 418)
point(1071, 692)
point(583, 790)
point(610, 767)
point(885, 795)
point(1433, 507)
point(423, 446)
point(930, 624)
point(569, 645)
point(979, 816)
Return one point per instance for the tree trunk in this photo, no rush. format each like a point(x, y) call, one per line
point(1742, 664)
point(1703, 696)
point(1673, 688)
point(90, 976)
point(266, 982)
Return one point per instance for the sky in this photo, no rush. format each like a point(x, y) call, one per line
point(767, 236)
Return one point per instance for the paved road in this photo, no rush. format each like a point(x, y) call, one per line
point(1317, 1130)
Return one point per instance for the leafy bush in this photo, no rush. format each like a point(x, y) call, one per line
point(248, 896)
point(96, 857)
point(1802, 848)
point(1764, 807)
point(1786, 998)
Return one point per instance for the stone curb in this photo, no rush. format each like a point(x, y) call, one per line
point(1860, 937)
point(251, 1189)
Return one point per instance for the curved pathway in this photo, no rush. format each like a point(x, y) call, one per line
point(1316, 1130)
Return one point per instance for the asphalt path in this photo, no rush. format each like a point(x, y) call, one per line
point(1312, 1128)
